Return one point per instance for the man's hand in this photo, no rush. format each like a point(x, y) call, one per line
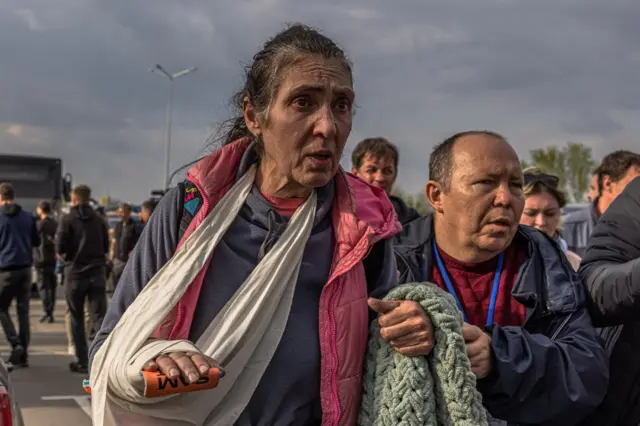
point(478, 345)
point(405, 325)
point(190, 365)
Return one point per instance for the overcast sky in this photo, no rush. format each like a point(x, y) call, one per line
point(74, 79)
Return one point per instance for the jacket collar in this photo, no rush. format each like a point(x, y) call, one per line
point(545, 263)
point(217, 172)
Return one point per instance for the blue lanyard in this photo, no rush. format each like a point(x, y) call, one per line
point(494, 289)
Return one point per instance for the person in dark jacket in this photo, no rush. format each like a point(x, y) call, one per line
point(45, 259)
point(126, 235)
point(613, 175)
point(528, 334)
point(82, 241)
point(18, 237)
point(375, 160)
point(611, 271)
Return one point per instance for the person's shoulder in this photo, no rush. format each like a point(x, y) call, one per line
point(627, 204)
point(549, 267)
point(633, 189)
point(536, 237)
point(397, 202)
point(24, 214)
point(65, 218)
point(405, 213)
point(415, 233)
point(548, 248)
point(170, 209)
point(176, 197)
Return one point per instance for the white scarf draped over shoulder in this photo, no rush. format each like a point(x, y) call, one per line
point(242, 337)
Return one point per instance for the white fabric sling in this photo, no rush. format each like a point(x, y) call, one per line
point(242, 337)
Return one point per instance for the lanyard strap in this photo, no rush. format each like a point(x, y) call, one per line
point(452, 291)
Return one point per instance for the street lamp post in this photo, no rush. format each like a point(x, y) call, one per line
point(158, 69)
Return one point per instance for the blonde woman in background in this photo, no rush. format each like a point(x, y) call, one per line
point(543, 208)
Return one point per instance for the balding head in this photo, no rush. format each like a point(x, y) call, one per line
point(475, 189)
point(442, 162)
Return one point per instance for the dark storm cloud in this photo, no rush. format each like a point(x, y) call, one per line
point(74, 75)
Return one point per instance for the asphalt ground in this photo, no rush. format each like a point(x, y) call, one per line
point(47, 392)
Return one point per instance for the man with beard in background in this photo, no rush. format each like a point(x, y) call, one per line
point(613, 175)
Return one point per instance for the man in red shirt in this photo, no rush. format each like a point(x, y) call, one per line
point(529, 338)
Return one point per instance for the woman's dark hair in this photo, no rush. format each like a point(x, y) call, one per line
point(263, 77)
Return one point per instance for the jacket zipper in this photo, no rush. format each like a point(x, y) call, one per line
point(334, 354)
point(562, 326)
point(334, 349)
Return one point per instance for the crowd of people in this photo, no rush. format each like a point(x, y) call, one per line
point(550, 304)
point(76, 250)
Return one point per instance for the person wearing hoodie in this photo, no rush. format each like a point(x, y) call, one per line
point(18, 237)
point(82, 241)
point(375, 160)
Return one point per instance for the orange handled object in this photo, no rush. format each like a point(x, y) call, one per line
point(158, 384)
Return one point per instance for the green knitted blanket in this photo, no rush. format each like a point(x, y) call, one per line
point(436, 390)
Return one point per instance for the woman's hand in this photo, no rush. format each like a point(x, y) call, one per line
point(405, 325)
point(190, 365)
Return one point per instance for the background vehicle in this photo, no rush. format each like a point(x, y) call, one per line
point(36, 178)
point(10, 414)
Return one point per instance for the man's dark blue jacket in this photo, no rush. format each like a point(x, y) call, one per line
point(552, 371)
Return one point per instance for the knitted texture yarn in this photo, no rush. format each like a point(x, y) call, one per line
point(436, 390)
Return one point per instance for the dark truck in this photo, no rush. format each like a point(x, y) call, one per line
point(34, 179)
